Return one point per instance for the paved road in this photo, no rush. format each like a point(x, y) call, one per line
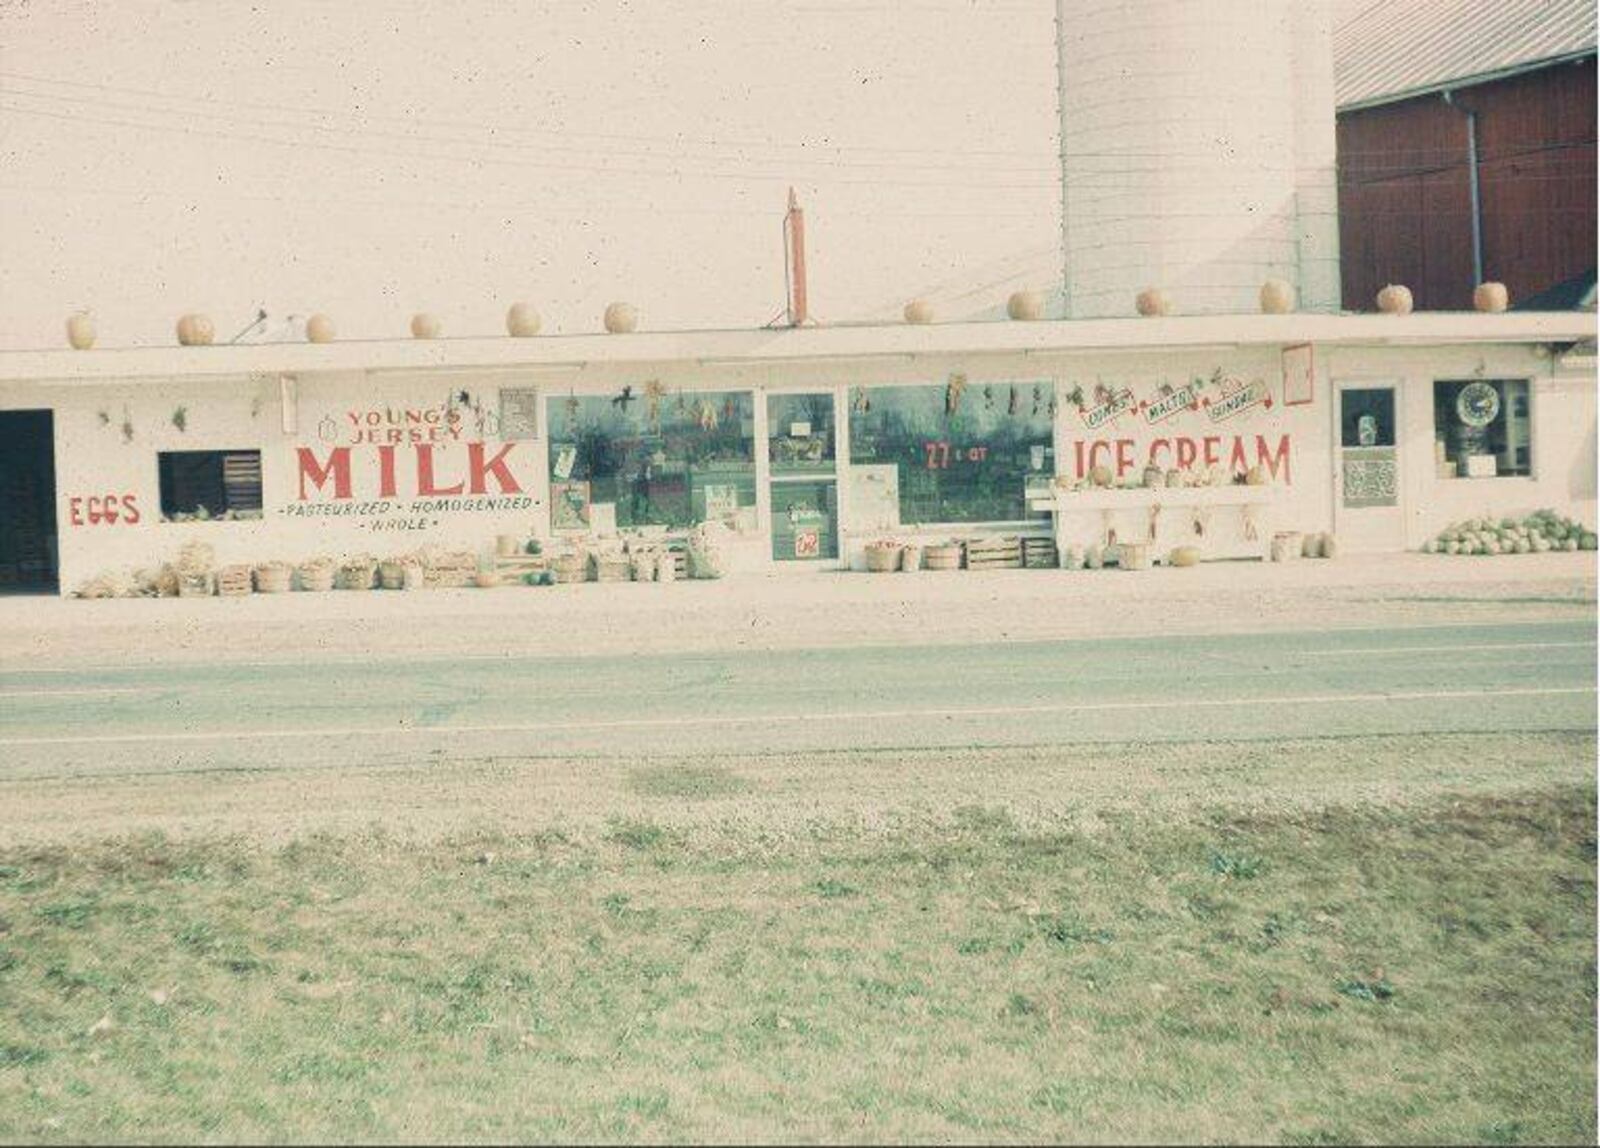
point(271, 713)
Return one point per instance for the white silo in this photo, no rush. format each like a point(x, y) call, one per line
point(1197, 153)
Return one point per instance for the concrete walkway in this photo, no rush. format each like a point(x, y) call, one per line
point(800, 611)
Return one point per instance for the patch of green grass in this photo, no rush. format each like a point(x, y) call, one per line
point(687, 782)
point(1415, 972)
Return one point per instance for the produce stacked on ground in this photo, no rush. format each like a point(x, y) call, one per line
point(1538, 533)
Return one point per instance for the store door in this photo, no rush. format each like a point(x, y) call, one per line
point(27, 503)
point(803, 477)
point(1366, 481)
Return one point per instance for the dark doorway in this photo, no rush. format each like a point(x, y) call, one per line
point(27, 503)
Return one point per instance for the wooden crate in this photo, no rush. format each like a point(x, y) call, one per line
point(1039, 553)
point(233, 581)
point(994, 553)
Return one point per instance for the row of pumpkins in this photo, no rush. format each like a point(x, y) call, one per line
point(522, 320)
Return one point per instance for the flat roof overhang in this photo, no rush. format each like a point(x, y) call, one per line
point(545, 353)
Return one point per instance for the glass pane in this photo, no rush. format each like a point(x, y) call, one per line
point(800, 433)
point(657, 460)
point(1366, 417)
point(805, 518)
point(964, 453)
point(1476, 420)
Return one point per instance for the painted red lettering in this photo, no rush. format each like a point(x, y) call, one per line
point(386, 487)
point(1124, 456)
point(1094, 452)
point(425, 486)
point(1156, 448)
point(1187, 453)
point(1237, 460)
point(1213, 449)
point(479, 470)
point(130, 509)
point(75, 510)
point(337, 468)
point(1276, 462)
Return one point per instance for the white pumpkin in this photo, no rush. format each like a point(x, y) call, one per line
point(425, 326)
point(1152, 301)
point(1277, 297)
point(319, 329)
point(1491, 297)
point(1183, 556)
point(621, 318)
point(919, 311)
point(522, 321)
point(1026, 305)
point(1330, 546)
point(80, 331)
point(1395, 299)
point(195, 331)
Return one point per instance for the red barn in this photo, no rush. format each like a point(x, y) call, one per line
point(1466, 145)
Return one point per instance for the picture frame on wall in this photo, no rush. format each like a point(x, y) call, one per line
point(1299, 375)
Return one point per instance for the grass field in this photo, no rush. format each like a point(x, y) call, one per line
point(1411, 963)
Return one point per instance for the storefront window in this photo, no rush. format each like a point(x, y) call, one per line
point(200, 485)
point(800, 433)
point(643, 459)
point(964, 452)
point(1482, 428)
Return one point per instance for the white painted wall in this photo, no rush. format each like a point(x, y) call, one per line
point(245, 413)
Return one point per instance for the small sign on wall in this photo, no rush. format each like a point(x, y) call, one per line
point(519, 413)
point(1299, 375)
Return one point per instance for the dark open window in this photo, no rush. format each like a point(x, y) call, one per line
point(197, 485)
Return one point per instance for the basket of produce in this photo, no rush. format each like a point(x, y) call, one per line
point(910, 559)
point(1133, 556)
point(942, 556)
point(317, 574)
point(569, 568)
point(392, 574)
point(486, 579)
point(195, 584)
point(883, 556)
point(357, 574)
point(274, 577)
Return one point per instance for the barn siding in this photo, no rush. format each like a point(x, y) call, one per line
point(1404, 200)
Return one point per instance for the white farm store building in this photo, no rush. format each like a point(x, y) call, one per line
point(808, 443)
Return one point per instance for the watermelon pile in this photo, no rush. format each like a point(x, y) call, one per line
point(1540, 532)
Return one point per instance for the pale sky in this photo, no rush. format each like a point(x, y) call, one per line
point(372, 159)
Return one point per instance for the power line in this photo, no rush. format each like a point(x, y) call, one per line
point(453, 123)
point(590, 169)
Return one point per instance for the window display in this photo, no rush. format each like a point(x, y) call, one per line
point(201, 485)
point(651, 459)
point(1482, 428)
point(964, 452)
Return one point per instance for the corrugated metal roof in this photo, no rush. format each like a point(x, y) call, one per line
point(1390, 49)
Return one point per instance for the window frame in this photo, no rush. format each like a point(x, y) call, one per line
point(1502, 419)
point(229, 511)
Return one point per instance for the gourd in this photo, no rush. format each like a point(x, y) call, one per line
point(1491, 297)
point(195, 331)
point(621, 318)
point(1256, 476)
point(80, 331)
point(319, 329)
point(1277, 297)
point(1100, 475)
point(919, 311)
point(425, 326)
point(1183, 556)
point(1174, 477)
point(1395, 299)
point(1330, 546)
point(1153, 476)
point(522, 321)
point(1152, 301)
point(1311, 546)
point(1025, 305)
